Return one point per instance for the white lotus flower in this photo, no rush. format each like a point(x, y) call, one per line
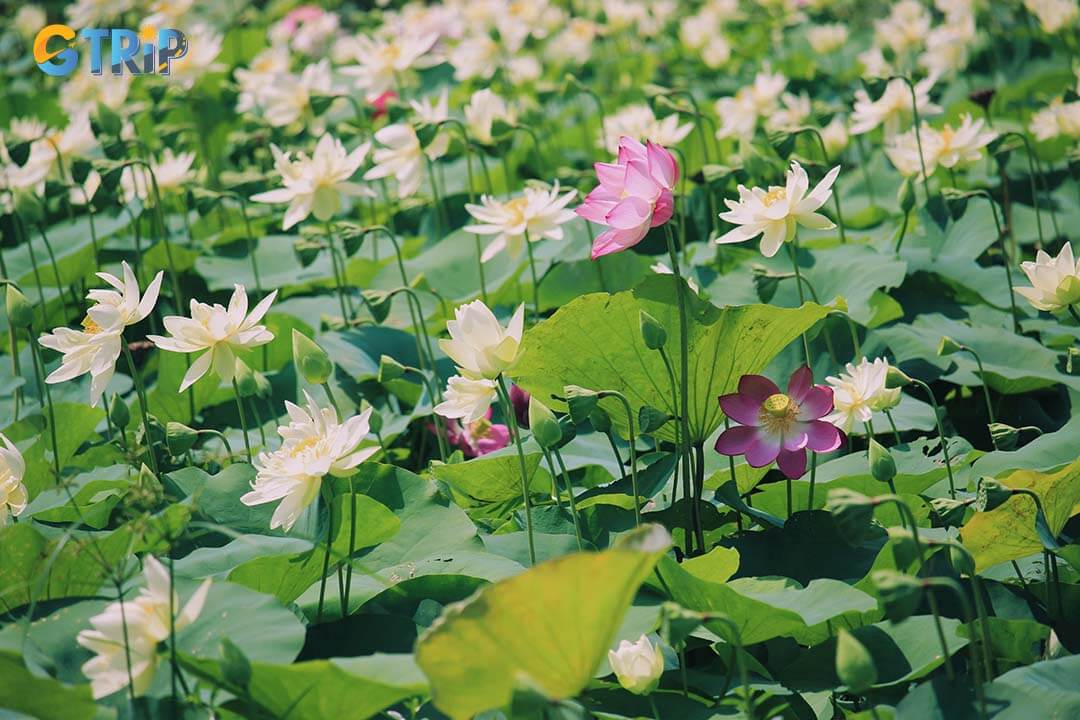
point(382, 61)
point(717, 52)
point(218, 331)
point(1055, 281)
point(74, 141)
point(484, 108)
point(12, 491)
point(827, 38)
point(892, 108)
point(289, 99)
point(639, 122)
point(739, 114)
point(204, 45)
point(83, 91)
point(794, 113)
point(905, 28)
point(874, 63)
point(478, 344)
point(316, 185)
point(315, 444)
point(835, 135)
point(475, 56)
point(171, 172)
point(95, 13)
point(947, 46)
point(637, 665)
point(136, 628)
point(964, 145)
point(575, 43)
point(467, 400)
point(537, 213)
point(775, 214)
point(400, 157)
point(29, 19)
point(96, 348)
point(258, 80)
point(1056, 119)
point(859, 392)
point(903, 152)
point(1054, 15)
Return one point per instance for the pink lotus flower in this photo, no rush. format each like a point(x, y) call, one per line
point(779, 426)
point(381, 102)
point(634, 194)
point(477, 438)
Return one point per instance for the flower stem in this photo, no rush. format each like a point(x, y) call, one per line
point(339, 274)
point(903, 232)
point(941, 435)
point(569, 493)
point(508, 410)
point(326, 555)
point(243, 417)
point(836, 192)
point(892, 424)
point(535, 281)
point(908, 516)
point(633, 450)
point(969, 620)
point(472, 199)
point(1074, 313)
point(144, 409)
point(45, 397)
point(678, 452)
point(918, 133)
point(793, 251)
point(684, 367)
point(813, 479)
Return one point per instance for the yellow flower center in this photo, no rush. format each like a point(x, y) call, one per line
point(303, 445)
point(778, 413)
point(516, 209)
point(89, 326)
point(480, 429)
point(391, 52)
point(774, 195)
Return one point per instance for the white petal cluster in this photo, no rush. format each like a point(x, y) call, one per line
point(536, 214)
point(134, 629)
point(314, 444)
point(1055, 281)
point(860, 391)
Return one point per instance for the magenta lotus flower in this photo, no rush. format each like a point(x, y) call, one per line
point(477, 438)
point(634, 194)
point(779, 426)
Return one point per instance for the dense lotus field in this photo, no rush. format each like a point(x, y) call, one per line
point(585, 359)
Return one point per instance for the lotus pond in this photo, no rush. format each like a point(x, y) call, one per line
point(551, 359)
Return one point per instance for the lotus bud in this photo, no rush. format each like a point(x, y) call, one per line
point(900, 594)
point(854, 664)
point(906, 196)
point(991, 494)
point(179, 438)
point(652, 332)
point(390, 369)
point(19, 310)
point(896, 378)
point(580, 402)
point(263, 388)
point(637, 666)
point(245, 379)
point(118, 411)
point(651, 419)
point(882, 465)
point(948, 346)
point(544, 425)
point(1005, 437)
point(311, 360)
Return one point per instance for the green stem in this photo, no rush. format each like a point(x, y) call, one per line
point(678, 453)
point(633, 450)
point(346, 608)
point(326, 555)
point(144, 410)
point(918, 132)
point(684, 370)
point(892, 424)
point(941, 435)
point(813, 479)
point(569, 494)
point(836, 193)
point(535, 281)
point(338, 280)
point(793, 251)
point(969, 620)
point(903, 232)
point(508, 410)
point(46, 397)
point(243, 417)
